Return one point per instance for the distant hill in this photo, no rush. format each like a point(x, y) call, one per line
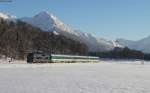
point(141, 45)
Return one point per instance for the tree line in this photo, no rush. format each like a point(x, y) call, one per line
point(122, 53)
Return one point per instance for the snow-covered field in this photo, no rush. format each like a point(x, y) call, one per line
point(103, 77)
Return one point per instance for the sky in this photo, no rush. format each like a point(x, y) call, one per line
point(110, 19)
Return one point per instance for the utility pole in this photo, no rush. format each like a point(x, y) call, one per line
point(17, 50)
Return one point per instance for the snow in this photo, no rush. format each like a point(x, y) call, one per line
point(103, 77)
point(11, 61)
point(56, 33)
point(7, 16)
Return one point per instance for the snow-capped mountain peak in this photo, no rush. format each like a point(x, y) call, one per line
point(48, 22)
point(48, 15)
point(44, 14)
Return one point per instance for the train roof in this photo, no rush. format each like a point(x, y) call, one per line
point(58, 55)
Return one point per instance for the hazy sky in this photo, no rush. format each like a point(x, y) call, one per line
point(111, 19)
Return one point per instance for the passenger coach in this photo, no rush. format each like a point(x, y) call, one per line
point(55, 58)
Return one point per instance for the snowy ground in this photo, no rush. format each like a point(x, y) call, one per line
point(103, 77)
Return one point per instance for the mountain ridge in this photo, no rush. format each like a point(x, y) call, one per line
point(47, 21)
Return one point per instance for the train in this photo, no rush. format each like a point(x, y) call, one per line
point(58, 58)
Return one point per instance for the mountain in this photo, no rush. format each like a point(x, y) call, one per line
point(48, 22)
point(141, 45)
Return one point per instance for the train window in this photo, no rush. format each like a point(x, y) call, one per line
point(38, 57)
